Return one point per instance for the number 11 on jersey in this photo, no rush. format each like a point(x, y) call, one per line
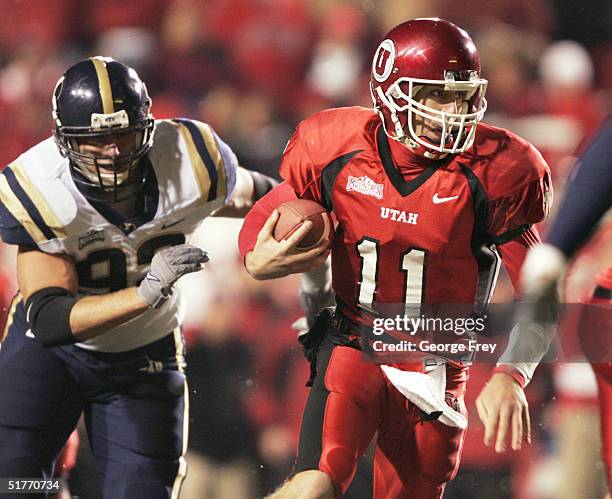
point(412, 264)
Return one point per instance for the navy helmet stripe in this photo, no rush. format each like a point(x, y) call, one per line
point(27, 203)
point(198, 141)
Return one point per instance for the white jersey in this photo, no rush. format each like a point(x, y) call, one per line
point(195, 173)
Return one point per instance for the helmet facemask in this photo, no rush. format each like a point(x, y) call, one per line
point(457, 130)
point(108, 178)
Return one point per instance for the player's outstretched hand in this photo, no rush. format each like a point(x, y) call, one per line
point(270, 258)
point(502, 407)
point(167, 266)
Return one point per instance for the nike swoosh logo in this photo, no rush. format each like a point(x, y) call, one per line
point(151, 277)
point(438, 200)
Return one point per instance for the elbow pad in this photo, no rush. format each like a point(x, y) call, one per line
point(48, 315)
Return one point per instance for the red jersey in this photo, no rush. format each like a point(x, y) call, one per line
point(431, 239)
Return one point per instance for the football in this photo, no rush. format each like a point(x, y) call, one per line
point(294, 213)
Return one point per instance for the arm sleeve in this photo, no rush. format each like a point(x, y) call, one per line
point(588, 195)
point(529, 341)
point(257, 216)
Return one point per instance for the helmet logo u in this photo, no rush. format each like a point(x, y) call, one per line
point(383, 60)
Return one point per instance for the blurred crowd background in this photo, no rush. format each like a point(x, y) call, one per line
point(253, 69)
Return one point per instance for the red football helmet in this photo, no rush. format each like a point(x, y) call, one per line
point(427, 52)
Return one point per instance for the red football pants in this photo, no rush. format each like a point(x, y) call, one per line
point(595, 329)
point(350, 401)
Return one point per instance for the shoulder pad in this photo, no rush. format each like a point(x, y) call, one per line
point(35, 197)
point(505, 162)
point(208, 161)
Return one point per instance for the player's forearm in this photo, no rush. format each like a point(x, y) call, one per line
point(528, 344)
point(537, 311)
point(535, 274)
point(96, 315)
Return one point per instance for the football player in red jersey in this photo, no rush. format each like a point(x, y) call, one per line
point(428, 201)
point(586, 202)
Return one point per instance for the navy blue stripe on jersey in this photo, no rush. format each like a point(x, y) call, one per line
point(230, 164)
point(198, 141)
point(11, 231)
point(588, 195)
point(27, 203)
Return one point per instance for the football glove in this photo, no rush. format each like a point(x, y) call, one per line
point(167, 266)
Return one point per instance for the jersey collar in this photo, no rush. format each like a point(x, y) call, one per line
point(403, 187)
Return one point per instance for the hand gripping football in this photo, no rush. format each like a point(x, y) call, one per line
point(294, 213)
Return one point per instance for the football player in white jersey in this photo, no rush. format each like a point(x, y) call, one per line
point(101, 213)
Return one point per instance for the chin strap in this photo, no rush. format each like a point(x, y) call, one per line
point(400, 135)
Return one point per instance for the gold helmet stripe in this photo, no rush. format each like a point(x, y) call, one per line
point(106, 93)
